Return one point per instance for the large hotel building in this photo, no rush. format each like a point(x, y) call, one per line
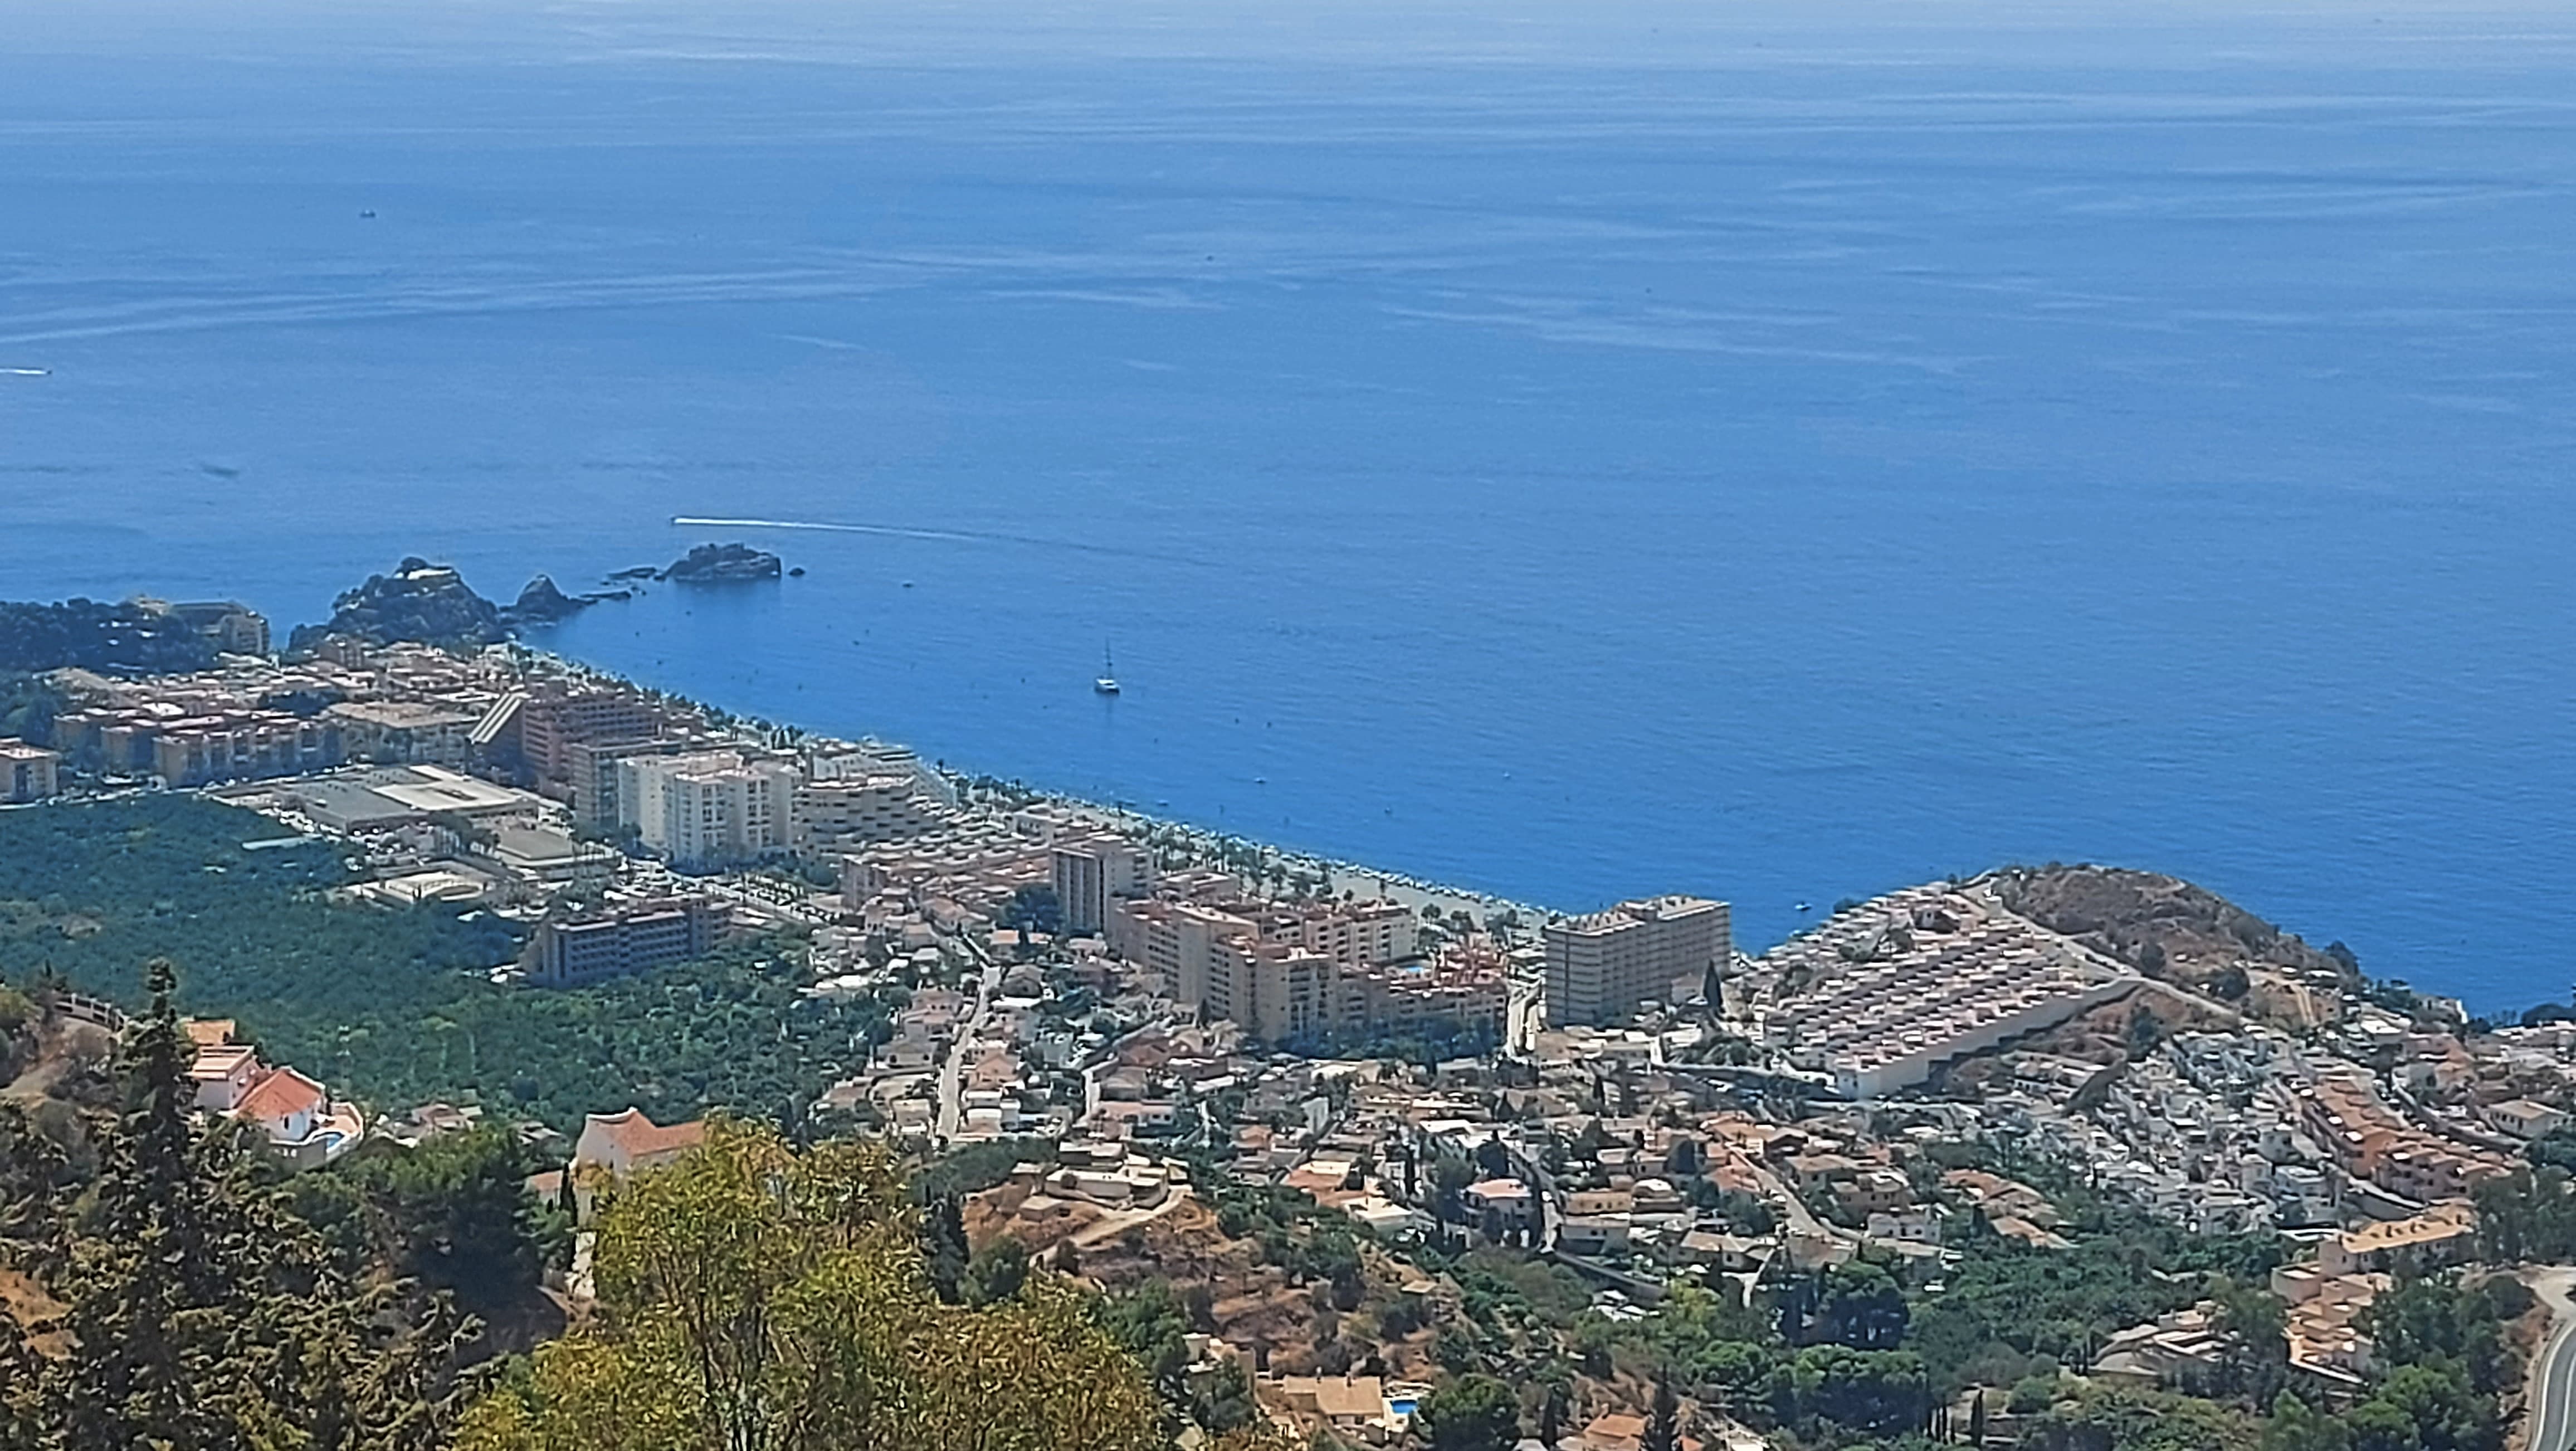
point(1601, 967)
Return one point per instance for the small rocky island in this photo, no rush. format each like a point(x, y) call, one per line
point(419, 602)
point(543, 604)
point(430, 604)
point(724, 564)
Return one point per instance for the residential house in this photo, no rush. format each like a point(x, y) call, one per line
point(1618, 1431)
point(618, 1144)
point(302, 1125)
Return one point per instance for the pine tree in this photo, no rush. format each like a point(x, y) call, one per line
point(203, 1315)
point(129, 1382)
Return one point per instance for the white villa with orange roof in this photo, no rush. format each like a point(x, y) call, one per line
point(622, 1143)
point(299, 1120)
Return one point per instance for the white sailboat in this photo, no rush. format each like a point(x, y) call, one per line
point(1107, 684)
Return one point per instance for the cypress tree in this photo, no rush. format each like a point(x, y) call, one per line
point(1552, 1407)
point(1663, 1421)
point(943, 1232)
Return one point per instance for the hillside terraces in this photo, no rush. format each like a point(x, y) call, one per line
point(1879, 996)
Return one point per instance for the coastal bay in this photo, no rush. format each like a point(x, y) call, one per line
point(1666, 470)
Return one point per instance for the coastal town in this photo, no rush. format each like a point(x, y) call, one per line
point(1136, 1022)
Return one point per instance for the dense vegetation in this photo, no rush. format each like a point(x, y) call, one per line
point(190, 1307)
point(2531, 1213)
point(2010, 1311)
point(395, 1004)
point(121, 639)
point(27, 708)
point(166, 1291)
point(452, 1214)
point(755, 1298)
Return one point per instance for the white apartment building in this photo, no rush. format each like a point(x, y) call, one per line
point(707, 808)
point(850, 813)
point(1355, 935)
point(1602, 966)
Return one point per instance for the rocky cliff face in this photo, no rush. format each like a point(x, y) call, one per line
point(430, 604)
point(419, 603)
point(2164, 926)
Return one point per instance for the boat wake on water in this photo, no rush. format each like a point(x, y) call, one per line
point(890, 531)
point(26, 372)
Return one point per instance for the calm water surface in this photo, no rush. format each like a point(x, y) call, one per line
point(1780, 454)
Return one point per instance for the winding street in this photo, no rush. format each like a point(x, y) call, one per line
point(2552, 1396)
point(952, 1069)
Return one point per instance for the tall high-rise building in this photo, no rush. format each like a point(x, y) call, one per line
point(1297, 972)
point(563, 738)
point(1601, 967)
point(1092, 872)
point(1279, 992)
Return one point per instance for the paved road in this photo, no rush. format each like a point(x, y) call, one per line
point(952, 1070)
point(1801, 1219)
point(2552, 1396)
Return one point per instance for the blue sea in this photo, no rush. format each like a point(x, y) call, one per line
point(1775, 451)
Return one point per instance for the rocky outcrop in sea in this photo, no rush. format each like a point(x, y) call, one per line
point(724, 564)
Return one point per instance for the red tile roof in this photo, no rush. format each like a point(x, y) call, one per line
point(281, 1094)
point(640, 1137)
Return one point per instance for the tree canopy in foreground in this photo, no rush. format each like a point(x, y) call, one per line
point(755, 1299)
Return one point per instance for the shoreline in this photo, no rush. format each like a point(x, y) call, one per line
point(1413, 892)
point(1268, 867)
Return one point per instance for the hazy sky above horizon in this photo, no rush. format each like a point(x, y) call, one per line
point(1623, 32)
